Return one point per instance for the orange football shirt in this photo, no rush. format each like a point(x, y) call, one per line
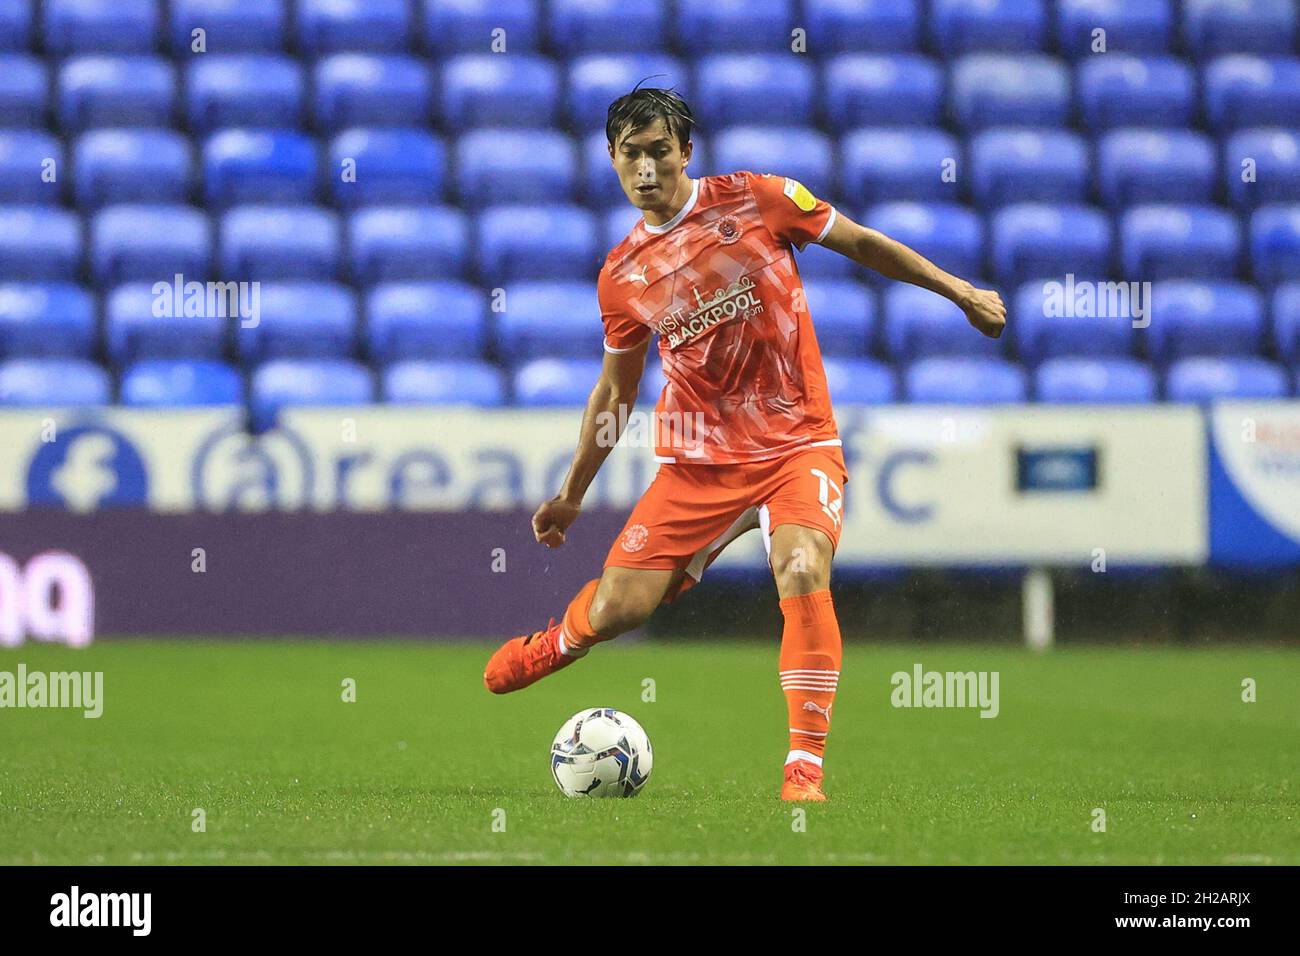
point(718, 284)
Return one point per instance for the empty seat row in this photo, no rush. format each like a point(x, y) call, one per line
point(279, 384)
point(151, 243)
point(444, 320)
point(366, 166)
point(1204, 28)
point(476, 90)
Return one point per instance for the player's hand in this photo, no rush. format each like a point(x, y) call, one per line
point(985, 311)
point(552, 519)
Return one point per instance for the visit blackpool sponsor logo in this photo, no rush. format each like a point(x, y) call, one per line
point(734, 301)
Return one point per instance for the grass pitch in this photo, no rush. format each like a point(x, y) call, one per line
point(423, 764)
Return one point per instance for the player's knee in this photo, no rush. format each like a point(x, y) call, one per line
point(617, 612)
point(801, 561)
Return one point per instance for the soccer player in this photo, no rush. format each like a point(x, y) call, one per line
point(744, 431)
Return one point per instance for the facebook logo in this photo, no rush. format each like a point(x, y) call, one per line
point(87, 467)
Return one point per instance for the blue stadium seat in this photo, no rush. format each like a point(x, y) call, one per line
point(1039, 241)
point(1071, 381)
point(537, 242)
point(451, 382)
point(918, 323)
point(621, 220)
point(149, 243)
point(468, 26)
point(844, 316)
point(301, 320)
point(286, 382)
point(24, 90)
point(1275, 243)
point(818, 262)
point(901, 89)
point(117, 26)
point(887, 164)
point(960, 26)
point(596, 80)
point(843, 26)
point(387, 243)
point(1028, 165)
point(1214, 27)
point(653, 381)
point(705, 26)
point(1286, 323)
point(543, 319)
point(555, 381)
point(1275, 156)
point(600, 185)
point(38, 243)
point(131, 165)
point(230, 26)
point(1046, 322)
point(1134, 26)
point(490, 90)
point(53, 382)
point(506, 165)
point(255, 165)
point(16, 25)
point(426, 320)
point(949, 235)
point(1244, 91)
point(1119, 90)
point(133, 331)
point(1179, 242)
point(46, 319)
point(765, 89)
point(255, 90)
point(1148, 166)
point(1206, 379)
point(360, 89)
point(964, 381)
point(862, 381)
point(280, 242)
point(1204, 318)
point(606, 26)
point(407, 166)
point(1005, 90)
point(329, 26)
point(26, 173)
point(166, 383)
point(795, 151)
point(116, 91)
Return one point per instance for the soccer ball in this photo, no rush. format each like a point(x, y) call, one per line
point(601, 753)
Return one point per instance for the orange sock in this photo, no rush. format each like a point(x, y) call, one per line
point(810, 671)
point(577, 636)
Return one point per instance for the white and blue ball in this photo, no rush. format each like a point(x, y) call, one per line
point(601, 752)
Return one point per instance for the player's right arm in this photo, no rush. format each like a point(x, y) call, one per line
point(608, 408)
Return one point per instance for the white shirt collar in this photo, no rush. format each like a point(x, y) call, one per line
point(681, 213)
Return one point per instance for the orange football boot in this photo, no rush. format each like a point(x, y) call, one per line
point(803, 781)
point(525, 660)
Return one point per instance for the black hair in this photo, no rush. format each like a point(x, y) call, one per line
point(640, 108)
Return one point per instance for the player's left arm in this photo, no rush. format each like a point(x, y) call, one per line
point(893, 260)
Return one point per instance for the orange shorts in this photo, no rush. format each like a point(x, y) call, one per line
point(691, 512)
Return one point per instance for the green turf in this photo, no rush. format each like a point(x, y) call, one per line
point(256, 734)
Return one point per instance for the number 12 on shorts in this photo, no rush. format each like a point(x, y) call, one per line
point(824, 487)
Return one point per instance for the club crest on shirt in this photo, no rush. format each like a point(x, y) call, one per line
point(728, 229)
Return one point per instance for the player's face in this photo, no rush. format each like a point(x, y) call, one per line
point(651, 168)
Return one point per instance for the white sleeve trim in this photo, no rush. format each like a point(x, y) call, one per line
point(609, 348)
point(830, 221)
